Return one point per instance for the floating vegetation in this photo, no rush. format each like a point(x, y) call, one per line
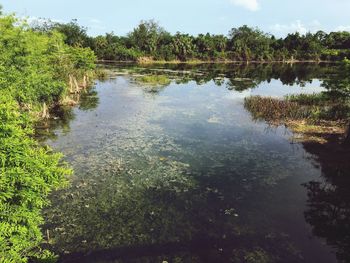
point(154, 80)
point(214, 119)
point(102, 74)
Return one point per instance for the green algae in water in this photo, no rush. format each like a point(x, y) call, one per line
point(184, 174)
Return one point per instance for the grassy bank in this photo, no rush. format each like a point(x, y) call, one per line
point(151, 61)
point(37, 70)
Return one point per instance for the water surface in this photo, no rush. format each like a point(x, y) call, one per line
point(182, 173)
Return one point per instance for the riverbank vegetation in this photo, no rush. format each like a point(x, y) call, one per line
point(149, 42)
point(311, 116)
point(316, 117)
point(37, 70)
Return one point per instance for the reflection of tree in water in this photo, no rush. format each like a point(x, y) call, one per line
point(89, 100)
point(61, 116)
point(328, 209)
point(328, 205)
point(240, 76)
point(338, 83)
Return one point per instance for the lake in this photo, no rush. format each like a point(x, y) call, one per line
point(183, 173)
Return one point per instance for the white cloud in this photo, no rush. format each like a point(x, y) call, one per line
point(343, 28)
point(96, 24)
point(251, 5)
point(39, 20)
point(296, 26)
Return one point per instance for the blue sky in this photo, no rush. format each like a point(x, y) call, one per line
point(278, 17)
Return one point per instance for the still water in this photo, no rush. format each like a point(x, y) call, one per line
point(182, 173)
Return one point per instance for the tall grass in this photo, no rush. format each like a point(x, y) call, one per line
point(314, 107)
point(272, 109)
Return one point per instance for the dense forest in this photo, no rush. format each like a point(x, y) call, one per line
point(149, 41)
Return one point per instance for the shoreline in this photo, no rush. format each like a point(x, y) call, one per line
point(198, 62)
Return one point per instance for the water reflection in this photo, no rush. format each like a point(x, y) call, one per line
point(185, 175)
point(61, 116)
point(246, 75)
point(328, 205)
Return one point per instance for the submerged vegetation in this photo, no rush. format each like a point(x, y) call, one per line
point(149, 42)
point(37, 70)
point(157, 214)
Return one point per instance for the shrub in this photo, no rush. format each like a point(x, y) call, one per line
point(34, 69)
point(28, 173)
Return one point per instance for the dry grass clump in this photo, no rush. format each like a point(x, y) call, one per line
point(272, 109)
point(310, 117)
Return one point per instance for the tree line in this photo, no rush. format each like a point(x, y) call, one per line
point(150, 41)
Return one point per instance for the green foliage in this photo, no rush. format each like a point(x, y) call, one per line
point(250, 44)
point(75, 35)
point(154, 80)
point(34, 69)
point(346, 61)
point(34, 66)
point(28, 173)
point(183, 46)
point(319, 99)
point(149, 39)
point(146, 36)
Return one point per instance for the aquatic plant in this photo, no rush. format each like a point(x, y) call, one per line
point(272, 109)
point(154, 80)
point(319, 99)
point(101, 74)
point(316, 116)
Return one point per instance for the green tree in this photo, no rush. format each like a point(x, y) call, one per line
point(146, 36)
point(183, 46)
point(249, 43)
point(75, 35)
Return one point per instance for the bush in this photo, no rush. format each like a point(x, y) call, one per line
point(34, 69)
point(28, 173)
